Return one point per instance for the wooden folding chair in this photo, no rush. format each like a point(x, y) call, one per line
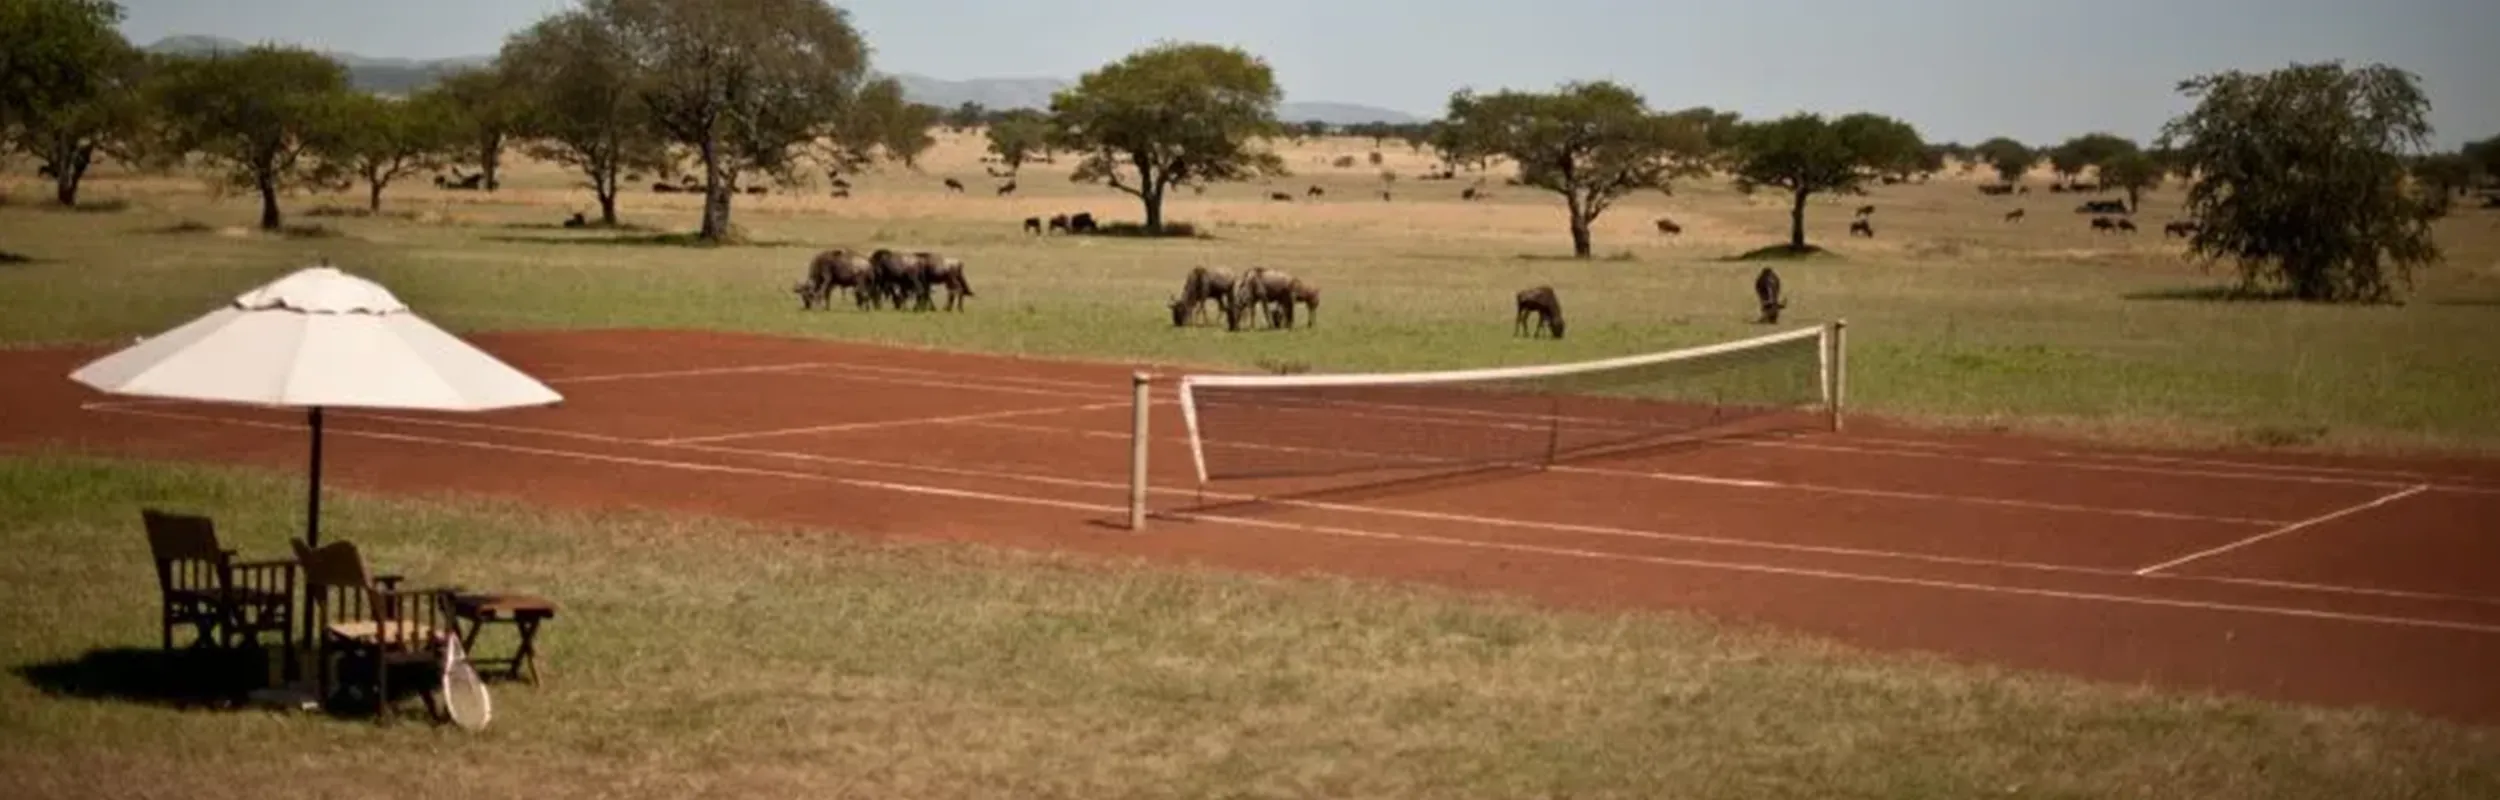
point(227, 602)
point(365, 620)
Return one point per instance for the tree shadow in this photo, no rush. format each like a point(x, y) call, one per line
point(181, 678)
point(2468, 302)
point(11, 258)
point(2211, 294)
point(1783, 252)
point(594, 227)
point(1619, 256)
point(687, 240)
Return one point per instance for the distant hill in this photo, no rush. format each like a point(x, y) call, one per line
point(401, 76)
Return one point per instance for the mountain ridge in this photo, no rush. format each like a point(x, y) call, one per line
point(403, 75)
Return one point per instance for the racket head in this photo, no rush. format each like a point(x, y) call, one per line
point(464, 694)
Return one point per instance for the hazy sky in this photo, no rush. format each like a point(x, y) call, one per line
point(2037, 70)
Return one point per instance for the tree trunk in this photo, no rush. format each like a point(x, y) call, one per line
point(2135, 202)
point(373, 197)
point(490, 158)
point(1154, 211)
point(1580, 244)
point(269, 219)
point(607, 206)
point(1797, 222)
point(715, 196)
point(68, 171)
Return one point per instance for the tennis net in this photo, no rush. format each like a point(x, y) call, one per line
point(1267, 426)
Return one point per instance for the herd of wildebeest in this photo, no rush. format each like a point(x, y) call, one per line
point(888, 277)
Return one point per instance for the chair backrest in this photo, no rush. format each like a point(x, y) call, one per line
point(185, 549)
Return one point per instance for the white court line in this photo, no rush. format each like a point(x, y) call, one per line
point(1710, 480)
point(1106, 485)
point(892, 423)
point(2012, 461)
point(1093, 386)
point(2329, 516)
point(685, 373)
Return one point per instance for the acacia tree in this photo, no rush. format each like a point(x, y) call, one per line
point(2301, 177)
point(1593, 143)
point(260, 113)
point(2133, 172)
point(68, 86)
point(2089, 150)
point(877, 122)
point(1805, 155)
point(1018, 136)
point(1173, 113)
point(583, 104)
point(2009, 158)
point(487, 105)
point(376, 141)
point(743, 86)
point(2485, 156)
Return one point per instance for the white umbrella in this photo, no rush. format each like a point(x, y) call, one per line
point(314, 339)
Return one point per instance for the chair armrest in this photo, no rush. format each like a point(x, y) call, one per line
point(274, 562)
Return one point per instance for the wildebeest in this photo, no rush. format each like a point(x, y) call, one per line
point(1033, 225)
point(577, 221)
point(1201, 286)
point(2178, 228)
point(1082, 222)
point(2104, 224)
point(1007, 189)
point(757, 190)
point(897, 276)
point(1059, 223)
point(1865, 210)
point(842, 191)
point(1258, 289)
point(832, 268)
point(1766, 291)
point(1541, 302)
point(1315, 191)
point(1280, 197)
point(953, 185)
point(2102, 207)
point(841, 184)
point(1303, 292)
point(1668, 227)
point(1468, 193)
point(1996, 188)
point(1862, 228)
point(2126, 225)
point(2015, 215)
point(664, 187)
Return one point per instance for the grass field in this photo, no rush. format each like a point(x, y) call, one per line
point(1956, 315)
point(706, 658)
point(698, 658)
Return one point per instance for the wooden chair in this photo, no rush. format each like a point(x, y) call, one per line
point(227, 602)
point(366, 620)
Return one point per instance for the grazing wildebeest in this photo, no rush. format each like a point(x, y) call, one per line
point(892, 277)
point(1007, 189)
point(1996, 188)
point(2126, 225)
point(1255, 292)
point(1468, 193)
point(1384, 195)
point(1033, 225)
point(843, 191)
point(1541, 302)
point(953, 185)
point(1668, 227)
point(2103, 224)
point(2102, 207)
point(1201, 286)
point(938, 270)
point(1300, 291)
point(1280, 197)
point(1865, 210)
point(2015, 215)
point(1766, 291)
point(664, 187)
point(834, 268)
point(1059, 223)
point(577, 221)
point(2178, 228)
point(1862, 228)
point(1082, 222)
point(1315, 191)
point(841, 184)
point(757, 190)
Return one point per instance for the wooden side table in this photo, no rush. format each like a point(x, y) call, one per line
point(523, 611)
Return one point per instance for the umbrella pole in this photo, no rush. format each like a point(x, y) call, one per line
point(312, 513)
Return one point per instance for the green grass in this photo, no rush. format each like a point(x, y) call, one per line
point(703, 658)
point(1955, 317)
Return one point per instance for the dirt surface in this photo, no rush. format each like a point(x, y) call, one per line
point(2343, 581)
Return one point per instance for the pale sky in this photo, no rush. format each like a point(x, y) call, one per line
point(2037, 70)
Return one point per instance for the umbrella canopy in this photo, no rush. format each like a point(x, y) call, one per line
point(316, 338)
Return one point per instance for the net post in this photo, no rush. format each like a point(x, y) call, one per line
point(1141, 401)
point(1836, 369)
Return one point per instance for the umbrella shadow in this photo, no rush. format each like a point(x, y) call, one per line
point(181, 678)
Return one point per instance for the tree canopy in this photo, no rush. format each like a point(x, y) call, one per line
point(69, 85)
point(1592, 143)
point(1806, 154)
point(261, 113)
point(1173, 113)
point(1018, 136)
point(2301, 177)
point(2009, 158)
point(2133, 172)
point(584, 109)
point(488, 106)
point(744, 88)
point(377, 141)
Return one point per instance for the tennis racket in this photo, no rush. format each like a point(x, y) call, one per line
point(464, 695)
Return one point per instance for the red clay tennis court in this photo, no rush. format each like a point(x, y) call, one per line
point(2342, 581)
